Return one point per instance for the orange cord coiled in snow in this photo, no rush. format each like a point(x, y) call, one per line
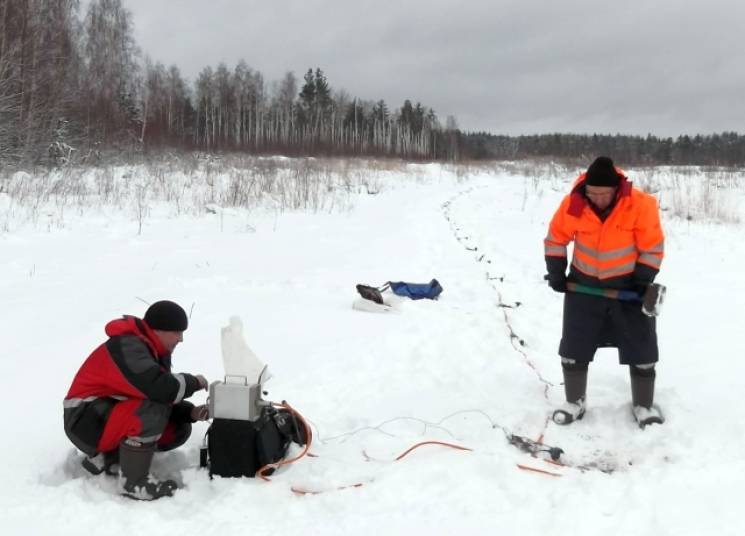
point(308, 439)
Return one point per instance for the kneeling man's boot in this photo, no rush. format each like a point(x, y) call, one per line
point(135, 479)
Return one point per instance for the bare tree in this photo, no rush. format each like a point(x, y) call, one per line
point(39, 59)
point(111, 69)
point(286, 107)
point(9, 109)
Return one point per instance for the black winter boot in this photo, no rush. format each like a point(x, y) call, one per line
point(575, 389)
point(642, 396)
point(135, 479)
point(575, 383)
point(102, 462)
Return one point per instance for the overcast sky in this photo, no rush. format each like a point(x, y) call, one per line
point(665, 67)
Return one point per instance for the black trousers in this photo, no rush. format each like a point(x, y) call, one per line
point(592, 322)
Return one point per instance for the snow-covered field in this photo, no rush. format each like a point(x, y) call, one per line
point(459, 370)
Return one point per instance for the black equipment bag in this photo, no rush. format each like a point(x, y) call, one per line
point(240, 448)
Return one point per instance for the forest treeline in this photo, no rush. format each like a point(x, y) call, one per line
point(74, 86)
point(724, 149)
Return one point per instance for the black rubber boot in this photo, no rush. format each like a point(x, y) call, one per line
point(642, 387)
point(575, 383)
point(575, 389)
point(642, 397)
point(135, 479)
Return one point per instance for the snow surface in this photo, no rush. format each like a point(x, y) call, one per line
point(457, 370)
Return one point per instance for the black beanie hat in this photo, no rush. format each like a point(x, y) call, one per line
point(166, 316)
point(602, 172)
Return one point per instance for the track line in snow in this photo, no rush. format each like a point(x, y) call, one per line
point(517, 342)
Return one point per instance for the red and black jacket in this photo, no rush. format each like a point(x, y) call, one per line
point(132, 363)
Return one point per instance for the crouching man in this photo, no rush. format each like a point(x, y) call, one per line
point(125, 403)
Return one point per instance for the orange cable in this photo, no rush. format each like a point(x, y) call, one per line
point(309, 438)
point(536, 470)
point(458, 447)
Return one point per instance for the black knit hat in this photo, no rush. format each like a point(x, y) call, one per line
point(602, 172)
point(166, 316)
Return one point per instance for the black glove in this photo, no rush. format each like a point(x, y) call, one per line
point(642, 277)
point(181, 413)
point(558, 282)
point(640, 287)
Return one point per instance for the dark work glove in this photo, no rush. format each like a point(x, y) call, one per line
point(640, 287)
point(558, 282)
point(194, 383)
point(181, 412)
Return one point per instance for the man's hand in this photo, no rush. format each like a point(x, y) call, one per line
point(558, 282)
point(200, 413)
point(203, 383)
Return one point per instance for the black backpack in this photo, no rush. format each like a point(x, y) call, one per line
point(238, 448)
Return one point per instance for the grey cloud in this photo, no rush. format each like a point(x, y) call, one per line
point(505, 66)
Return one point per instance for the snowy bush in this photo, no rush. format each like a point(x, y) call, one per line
point(692, 193)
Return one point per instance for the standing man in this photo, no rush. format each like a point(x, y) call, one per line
point(618, 244)
point(125, 403)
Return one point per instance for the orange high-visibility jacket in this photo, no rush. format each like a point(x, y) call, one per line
point(629, 242)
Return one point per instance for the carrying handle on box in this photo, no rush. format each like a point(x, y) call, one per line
point(245, 380)
point(260, 379)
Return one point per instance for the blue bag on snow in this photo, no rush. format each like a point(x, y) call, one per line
point(416, 291)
